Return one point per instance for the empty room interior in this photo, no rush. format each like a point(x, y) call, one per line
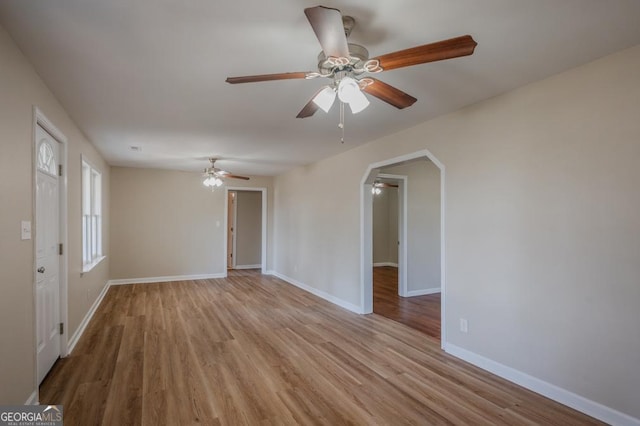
point(355, 212)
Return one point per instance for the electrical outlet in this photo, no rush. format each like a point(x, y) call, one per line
point(464, 325)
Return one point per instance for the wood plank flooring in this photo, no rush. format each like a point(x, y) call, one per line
point(251, 349)
point(419, 312)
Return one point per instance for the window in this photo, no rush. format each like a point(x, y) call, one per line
point(46, 158)
point(91, 216)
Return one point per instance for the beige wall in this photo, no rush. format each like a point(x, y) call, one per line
point(166, 223)
point(385, 226)
point(542, 230)
point(423, 223)
point(20, 90)
point(248, 228)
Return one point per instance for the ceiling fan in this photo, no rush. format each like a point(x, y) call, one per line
point(213, 176)
point(377, 186)
point(347, 65)
point(384, 185)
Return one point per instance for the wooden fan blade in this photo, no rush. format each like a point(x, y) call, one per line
point(310, 108)
point(229, 175)
point(445, 49)
point(389, 94)
point(266, 77)
point(327, 24)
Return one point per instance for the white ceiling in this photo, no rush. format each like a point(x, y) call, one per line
point(151, 73)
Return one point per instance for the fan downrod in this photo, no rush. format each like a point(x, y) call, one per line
point(348, 22)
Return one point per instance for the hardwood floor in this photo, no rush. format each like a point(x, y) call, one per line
point(419, 312)
point(251, 349)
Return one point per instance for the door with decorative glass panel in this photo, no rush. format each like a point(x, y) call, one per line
point(47, 252)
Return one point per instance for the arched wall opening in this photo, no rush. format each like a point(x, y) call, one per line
point(373, 172)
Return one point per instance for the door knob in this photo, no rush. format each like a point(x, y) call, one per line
point(41, 269)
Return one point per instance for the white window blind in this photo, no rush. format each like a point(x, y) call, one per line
point(91, 216)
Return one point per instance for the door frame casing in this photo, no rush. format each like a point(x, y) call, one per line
point(366, 233)
point(263, 243)
point(40, 119)
point(402, 230)
point(233, 236)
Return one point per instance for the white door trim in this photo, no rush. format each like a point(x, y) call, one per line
point(234, 236)
point(39, 119)
point(366, 231)
point(232, 264)
point(402, 231)
point(263, 254)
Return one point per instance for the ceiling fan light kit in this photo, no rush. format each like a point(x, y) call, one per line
point(212, 182)
point(346, 63)
point(376, 188)
point(349, 93)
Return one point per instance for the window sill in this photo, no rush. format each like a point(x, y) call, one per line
point(89, 266)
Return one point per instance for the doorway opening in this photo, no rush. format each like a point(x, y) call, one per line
point(403, 241)
point(245, 228)
point(49, 244)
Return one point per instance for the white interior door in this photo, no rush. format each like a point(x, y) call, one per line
point(47, 252)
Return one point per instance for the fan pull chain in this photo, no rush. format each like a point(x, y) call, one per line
point(341, 125)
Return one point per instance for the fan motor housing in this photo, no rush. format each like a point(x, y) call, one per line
point(358, 56)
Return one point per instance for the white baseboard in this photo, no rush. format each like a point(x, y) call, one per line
point(258, 266)
point(326, 296)
point(424, 292)
point(147, 280)
point(33, 398)
point(375, 265)
point(85, 321)
point(563, 396)
point(269, 272)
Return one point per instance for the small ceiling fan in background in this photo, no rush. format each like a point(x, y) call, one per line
point(213, 176)
point(347, 65)
point(377, 186)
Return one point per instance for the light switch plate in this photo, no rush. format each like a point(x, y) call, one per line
point(25, 230)
point(464, 325)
